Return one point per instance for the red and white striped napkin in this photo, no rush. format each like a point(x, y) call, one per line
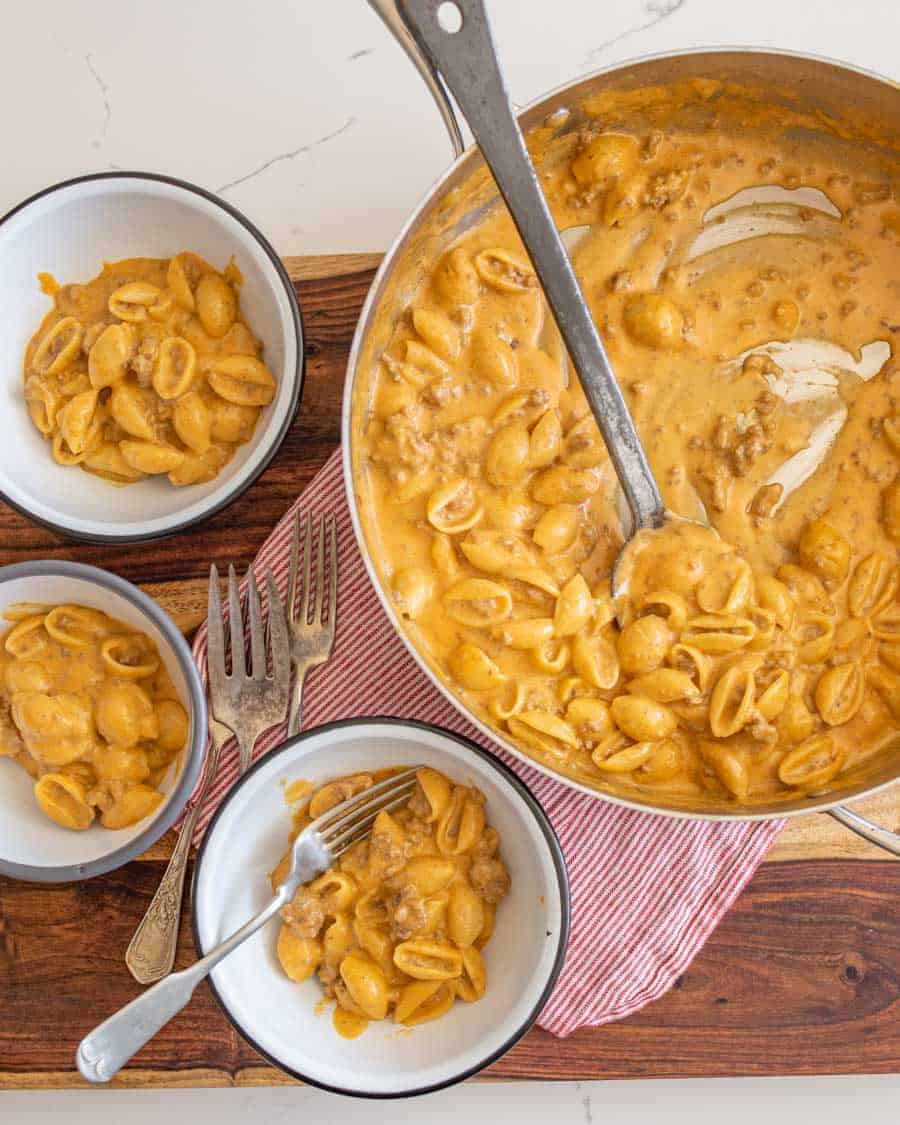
point(647, 891)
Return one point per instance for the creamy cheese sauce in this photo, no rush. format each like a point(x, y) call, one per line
point(745, 286)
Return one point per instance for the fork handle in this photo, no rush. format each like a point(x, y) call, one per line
point(151, 952)
point(105, 1050)
point(295, 722)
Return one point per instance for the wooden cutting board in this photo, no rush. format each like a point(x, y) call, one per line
point(802, 977)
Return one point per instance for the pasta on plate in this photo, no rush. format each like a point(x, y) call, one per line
point(89, 711)
point(147, 370)
point(397, 926)
point(760, 666)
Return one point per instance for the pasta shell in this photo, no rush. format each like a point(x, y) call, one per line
point(411, 591)
point(478, 602)
point(216, 304)
point(132, 657)
point(816, 636)
point(626, 759)
point(439, 332)
point(504, 270)
point(775, 596)
point(428, 960)
point(366, 984)
point(130, 409)
point(731, 705)
point(111, 352)
point(551, 657)
point(771, 702)
point(718, 632)
point(557, 528)
point(545, 440)
point(642, 719)
point(58, 347)
point(453, 507)
point(507, 456)
point(872, 585)
point(496, 551)
point(561, 484)
point(456, 279)
point(574, 607)
point(812, 764)
point(665, 685)
point(666, 604)
point(596, 661)
point(590, 716)
point(62, 799)
point(192, 422)
point(27, 639)
point(133, 301)
point(543, 731)
point(151, 457)
point(473, 668)
point(839, 693)
point(242, 379)
point(525, 633)
point(173, 372)
point(730, 766)
point(583, 447)
point(493, 359)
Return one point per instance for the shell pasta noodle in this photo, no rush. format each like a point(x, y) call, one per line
point(749, 668)
point(89, 711)
point(148, 370)
point(397, 926)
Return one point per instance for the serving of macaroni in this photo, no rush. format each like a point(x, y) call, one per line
point(397, 926)
point(89, 711)
point(147, 370)
point(754, 666)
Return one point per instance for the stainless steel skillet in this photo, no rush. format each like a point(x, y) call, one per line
point(465, 193)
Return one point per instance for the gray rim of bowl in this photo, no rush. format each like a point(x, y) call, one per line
point(196, 738)
point(553, 846)
point(298, 375)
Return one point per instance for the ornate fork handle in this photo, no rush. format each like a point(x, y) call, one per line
point(151, 953)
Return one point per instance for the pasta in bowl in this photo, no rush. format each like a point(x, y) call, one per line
point(398, 925)
point(102, 721)
point(125, 361)
point(267, 987)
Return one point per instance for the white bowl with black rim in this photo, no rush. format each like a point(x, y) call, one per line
point(34, 848)
point(279, 1018)
point(69, 230)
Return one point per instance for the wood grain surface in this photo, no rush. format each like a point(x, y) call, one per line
point(802, 977)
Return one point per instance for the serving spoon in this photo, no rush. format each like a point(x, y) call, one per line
point(455, 39)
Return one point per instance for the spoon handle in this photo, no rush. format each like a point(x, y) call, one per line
point(468, 64)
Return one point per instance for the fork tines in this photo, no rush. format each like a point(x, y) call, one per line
point(216, 645)
point(344, 825)
point(317, 598)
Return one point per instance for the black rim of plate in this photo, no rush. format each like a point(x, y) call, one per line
point(196, 744)
point(299, 373)
point(553, 845)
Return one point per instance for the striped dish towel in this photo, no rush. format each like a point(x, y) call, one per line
point(647, 891)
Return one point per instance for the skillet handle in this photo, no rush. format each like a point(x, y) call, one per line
point(874, 833)
point(390, 13)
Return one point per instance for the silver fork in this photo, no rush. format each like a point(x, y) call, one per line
point(312, 635)
point(242, 704)
point(248, 703)
point(108, 1047)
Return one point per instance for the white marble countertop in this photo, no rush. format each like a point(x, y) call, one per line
point(307, 117)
